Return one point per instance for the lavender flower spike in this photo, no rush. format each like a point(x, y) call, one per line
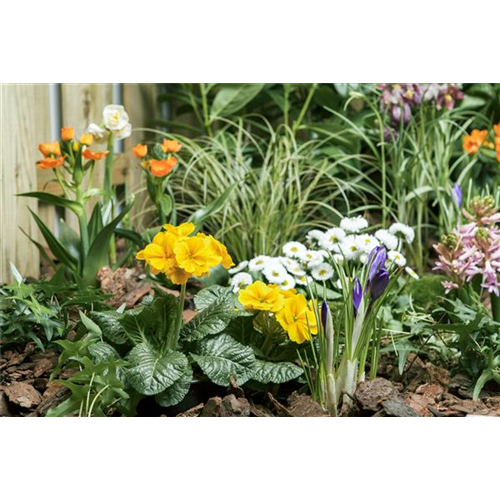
point(457, 194)
point(376, 261)
point(357, 294)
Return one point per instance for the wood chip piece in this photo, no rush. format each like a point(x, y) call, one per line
point(22, 394)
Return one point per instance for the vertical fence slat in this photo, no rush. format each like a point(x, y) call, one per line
point(139, 100)
point(25, 122)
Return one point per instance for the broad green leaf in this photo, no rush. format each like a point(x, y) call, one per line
point(177, 391)
point(52, 199)
point(277, 373)
point(210, 321)
point(221, 357)
point(55, 245)
point(208, 296)
point(233, 97)
point(152, 372)
point(98, 255)
point(95, 223)
point(166, 205)
point(110, 325)
point(100, 352)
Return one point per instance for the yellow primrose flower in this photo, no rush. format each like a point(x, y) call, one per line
point(184, 229)
point(195, 255)
point(177, 275)
point(219, 249)
point(262, 297)
point(297, 319)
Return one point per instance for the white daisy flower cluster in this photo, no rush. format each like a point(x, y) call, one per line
point(301, 264)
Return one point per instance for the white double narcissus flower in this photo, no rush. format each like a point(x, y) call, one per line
point(98, 133)
point(239, 267)
point(117, 121)
point(322, 272)
point(353, 224)
point(241, 280)
point(293, 249)
point(390, 241)
point(397, 258)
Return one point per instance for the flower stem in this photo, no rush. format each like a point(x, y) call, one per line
point(173, 341)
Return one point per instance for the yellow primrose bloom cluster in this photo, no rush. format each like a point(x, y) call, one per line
point(180, 256)
point(293, 313)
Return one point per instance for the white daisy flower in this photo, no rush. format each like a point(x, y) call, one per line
point(353, 224)
point(332, 238)
point(239, 267)
point(367, 242)
point(274, 272)
point(396, 257)
point(314, 236)
point(296, 270)
point(400, 229)
point(390, 241)
point(350, 248)
point(363, 258)
point(338, 258)
point(303, 280)
point(288, 283)
point(412, 273)
point(310, 256)
point(293, 249)
point(287, 262)
point(322, 272)
point(241, 280)
point(258, 263)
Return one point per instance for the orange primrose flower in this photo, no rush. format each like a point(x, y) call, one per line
point(140, 151)
point(496, 129)
point(48, 163)
point(50, 148)
point(67, 133)
point(160, 168)
point(474, 141)
point(94, 155)
point(171, 146)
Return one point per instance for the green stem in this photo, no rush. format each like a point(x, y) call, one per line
point(303, 111)
point(206, 117)
point(173, 341)
point(108, 173)
point(159, 195)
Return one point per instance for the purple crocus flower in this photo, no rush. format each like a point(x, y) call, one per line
point(457, 194)
point(379, 283)
point(357, 294)
point(376, 261)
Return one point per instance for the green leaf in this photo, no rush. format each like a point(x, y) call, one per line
point(89, 324)
point(210, 321)
point(100, 351)
point(222, 357)
point(52, 199)
point(208, 296)
point(152, 372)
point(98, 255)
point(70, 239)
point(95, 222)
point(201, 215)
point(110, 325)
point(277, 373)
point(54, 244)
point(177, 391)
point(130, 235)
point(233, 97)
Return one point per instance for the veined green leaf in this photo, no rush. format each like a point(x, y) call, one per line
point(233, 97)
point(222, 357)
point(277, 373)
point(110, 325)
point(177, 391)
point(152, 372)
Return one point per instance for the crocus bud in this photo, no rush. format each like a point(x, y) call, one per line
point(379, 284)
point(67, 133)
point(325, 311)
point(376, 261)
point(357, 294)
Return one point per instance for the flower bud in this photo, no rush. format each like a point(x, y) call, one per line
point(87, 140)
point(140, 151)
point(67, 133)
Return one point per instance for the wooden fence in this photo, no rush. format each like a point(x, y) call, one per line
point(33, 113)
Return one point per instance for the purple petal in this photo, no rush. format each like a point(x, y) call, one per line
point(357, 294)
point(379, 283)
